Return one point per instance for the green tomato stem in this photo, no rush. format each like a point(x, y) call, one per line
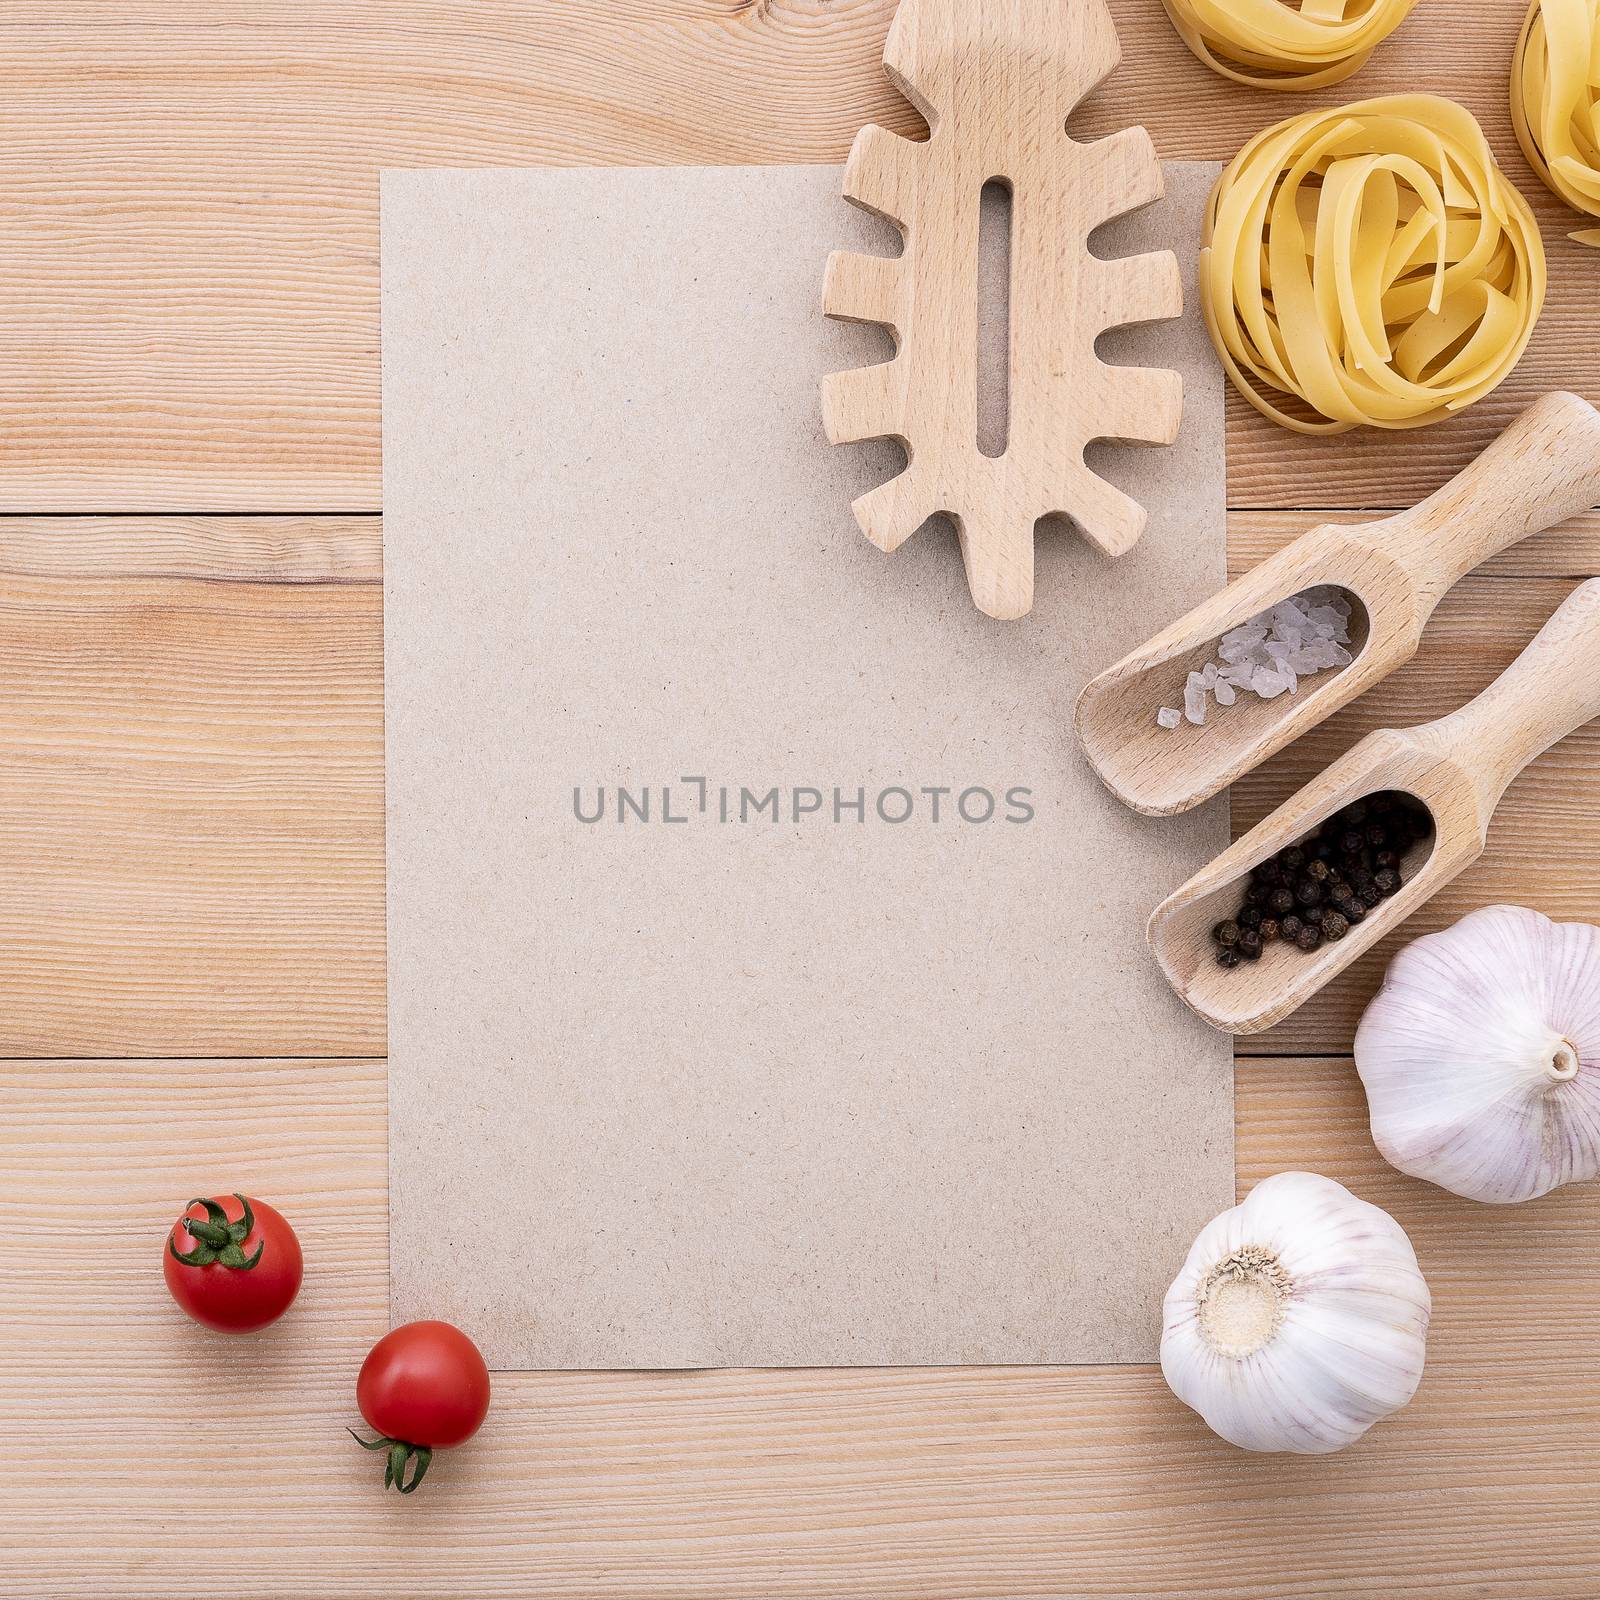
point(217, 1239)
point(398, 1452)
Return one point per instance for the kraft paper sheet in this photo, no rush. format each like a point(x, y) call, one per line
point(819, 1088)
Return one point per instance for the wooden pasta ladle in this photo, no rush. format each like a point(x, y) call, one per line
point(1457, 767)
point(1544, 468)
point(997, 80)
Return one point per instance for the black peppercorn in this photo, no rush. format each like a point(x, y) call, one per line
point(1313, 892)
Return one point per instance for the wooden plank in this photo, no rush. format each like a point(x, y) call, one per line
point(190, 208)
point(940, 1484)
point(191, 782)
point(191, 787)
point(258, 549)
point(322, 549)
point(1571, 550)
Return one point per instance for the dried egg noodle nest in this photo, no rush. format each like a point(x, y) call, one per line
point(1371, 261)
point(1555, 101)
point(1269, 45)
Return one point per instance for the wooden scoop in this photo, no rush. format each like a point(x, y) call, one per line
point(1544, 468)
point(1458, 767)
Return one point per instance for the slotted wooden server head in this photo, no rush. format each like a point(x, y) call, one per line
point(996, 80)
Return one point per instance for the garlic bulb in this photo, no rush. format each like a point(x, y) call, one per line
point(1481, 1056)
point(1299, 1319)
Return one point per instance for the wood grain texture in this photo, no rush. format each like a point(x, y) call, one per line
point(190, 207)
point(191, 777)
point(1569, 551)
point(190, 782)
point(936, 1484)
point(258, 549)
point(192, 786)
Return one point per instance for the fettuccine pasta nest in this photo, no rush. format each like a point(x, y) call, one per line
point(1270, 45)
point(1369, 264)
point(1555, 101)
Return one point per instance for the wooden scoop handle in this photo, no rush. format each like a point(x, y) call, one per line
point(1550, 690)
point(1543, 469)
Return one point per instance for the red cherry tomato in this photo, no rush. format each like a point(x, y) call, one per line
point(233, 1264)
point(424, 1387)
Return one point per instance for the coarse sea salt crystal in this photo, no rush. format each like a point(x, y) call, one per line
point(1270, 653)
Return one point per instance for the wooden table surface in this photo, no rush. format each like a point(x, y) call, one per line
point(191, 880)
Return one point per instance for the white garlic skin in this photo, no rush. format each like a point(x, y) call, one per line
point(1481, 1056)
point(1299, 1319)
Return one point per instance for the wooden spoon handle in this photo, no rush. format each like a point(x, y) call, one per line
point(1550, 690)
point(1543, 469)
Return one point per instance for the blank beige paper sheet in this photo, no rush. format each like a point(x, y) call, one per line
point(766, 970)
